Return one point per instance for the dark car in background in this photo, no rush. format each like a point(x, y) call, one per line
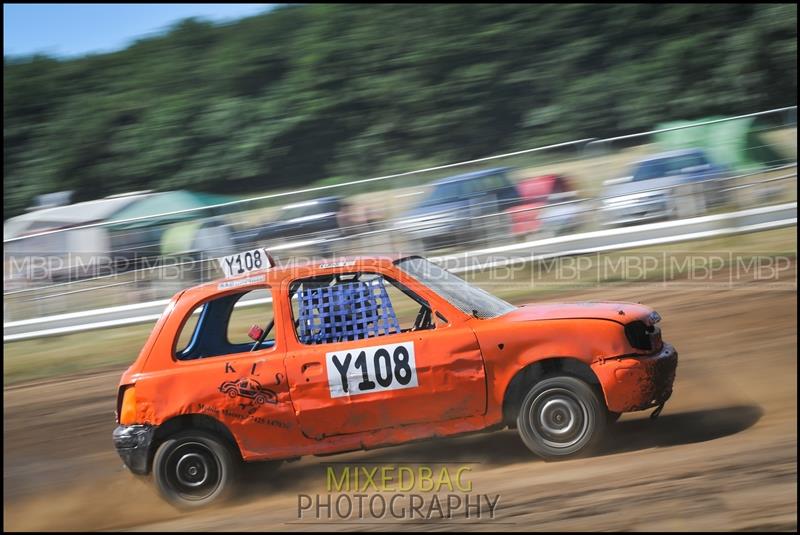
point(310, 225)
point(313, 219)
point(457, 208)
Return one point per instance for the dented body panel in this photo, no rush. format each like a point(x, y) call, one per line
point(290, 400)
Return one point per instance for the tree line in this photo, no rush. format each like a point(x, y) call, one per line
point(310, 92)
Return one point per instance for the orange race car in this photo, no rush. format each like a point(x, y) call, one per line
point(370, 352)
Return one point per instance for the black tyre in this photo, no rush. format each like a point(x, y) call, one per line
point(612, 417)
point(194, 468)
point(561, 417)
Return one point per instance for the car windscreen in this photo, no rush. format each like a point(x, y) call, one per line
point(672, 165)
point(687, 161)
point(443, 193)
point(458, 292)
point(650, 170)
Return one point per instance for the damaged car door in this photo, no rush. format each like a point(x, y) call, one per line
point(357, 364)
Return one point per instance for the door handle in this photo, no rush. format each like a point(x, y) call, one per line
point(310, 365)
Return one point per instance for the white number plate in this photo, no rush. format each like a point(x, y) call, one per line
point(371, 369)
point(240, 263)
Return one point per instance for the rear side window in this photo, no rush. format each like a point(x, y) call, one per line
point(228, 325)
point(188, 330)
point(251, 309)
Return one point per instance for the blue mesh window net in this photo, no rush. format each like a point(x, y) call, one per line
point(345, 311)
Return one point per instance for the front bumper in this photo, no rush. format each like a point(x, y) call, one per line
point(638, 212)
point(635, 383)
point(133, 445)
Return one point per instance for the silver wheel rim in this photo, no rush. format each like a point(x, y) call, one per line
point(559, 418)
point(193, 471)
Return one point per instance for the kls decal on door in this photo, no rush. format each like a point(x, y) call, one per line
point(247, 387)
point(371, 369)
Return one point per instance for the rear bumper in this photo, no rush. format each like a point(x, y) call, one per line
point(638, 382)
point(133, 446)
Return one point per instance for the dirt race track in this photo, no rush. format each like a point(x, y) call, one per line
point(722, 456)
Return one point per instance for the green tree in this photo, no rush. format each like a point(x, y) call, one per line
point(303, 93)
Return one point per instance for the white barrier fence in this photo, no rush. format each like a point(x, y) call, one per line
point(750, 220)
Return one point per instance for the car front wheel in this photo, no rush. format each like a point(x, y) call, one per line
point(194, 468)
point(561, 417)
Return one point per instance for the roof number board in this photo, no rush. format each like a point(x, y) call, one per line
point(240, 263)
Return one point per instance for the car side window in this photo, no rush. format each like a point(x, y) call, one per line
point(355, 306)
point(694, 160)
point(188, 330)
point(649, 170)
point(252, 308)
point(494, 183)
point(230, 324)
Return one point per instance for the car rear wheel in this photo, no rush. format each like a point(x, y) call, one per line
point(561, 417)
point(193, 469)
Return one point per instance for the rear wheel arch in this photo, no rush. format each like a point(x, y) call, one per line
point(534, 372)
point(185, 422)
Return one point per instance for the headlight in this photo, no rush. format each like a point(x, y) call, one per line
point(654, 317)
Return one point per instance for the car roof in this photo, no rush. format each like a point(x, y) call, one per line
point(671, 154)
point(471, 176)
point(275, 276)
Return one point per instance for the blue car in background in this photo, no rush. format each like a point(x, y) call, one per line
point(682, 183)
point(458, 208)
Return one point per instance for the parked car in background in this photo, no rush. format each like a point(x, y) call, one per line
point(549, 207)
point(673, 184)
point(315, 221)
point(456, 210)
point(301, 220)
